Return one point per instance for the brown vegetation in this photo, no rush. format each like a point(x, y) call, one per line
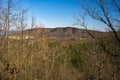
point(49, 58)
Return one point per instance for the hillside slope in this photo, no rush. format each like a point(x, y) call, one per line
point(62, 32)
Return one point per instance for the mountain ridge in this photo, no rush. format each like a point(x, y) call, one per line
point(64, 32)
point(59, 32)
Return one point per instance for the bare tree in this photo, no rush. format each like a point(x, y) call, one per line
point(116, 5)
point(108, 13)
point(22, 20)
point(103, 12)
point(1, 15)
point(33, 24)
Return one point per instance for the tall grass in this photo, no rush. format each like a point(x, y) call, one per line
point(57, 59)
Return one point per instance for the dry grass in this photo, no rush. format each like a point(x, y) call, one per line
point(54, 59)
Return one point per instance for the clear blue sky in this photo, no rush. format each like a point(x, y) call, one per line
point(53, 13)
point(58, 13)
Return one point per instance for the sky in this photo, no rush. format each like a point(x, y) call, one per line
point(53, 13)
point(59, 13)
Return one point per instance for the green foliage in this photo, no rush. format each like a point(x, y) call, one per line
point(77, 61)
point(76, 56)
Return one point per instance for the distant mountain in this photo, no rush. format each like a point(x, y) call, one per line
point(60, 32)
